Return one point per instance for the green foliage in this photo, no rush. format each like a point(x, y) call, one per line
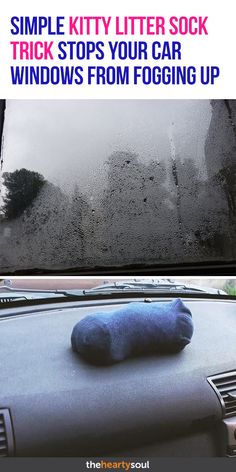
point(231, 291)
point(22, 187)
point(230, 287)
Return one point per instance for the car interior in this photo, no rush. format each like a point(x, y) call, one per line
point(53, 403)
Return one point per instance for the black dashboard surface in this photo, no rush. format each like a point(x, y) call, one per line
point(60, 405)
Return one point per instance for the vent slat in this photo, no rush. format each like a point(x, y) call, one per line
point(230, 405)
point(224, 384)
point(227, 381)
point(229, 388)
point(227, 398)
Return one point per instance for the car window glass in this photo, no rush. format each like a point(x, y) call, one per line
point(89, 183)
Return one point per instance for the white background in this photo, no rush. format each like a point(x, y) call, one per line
point(218, 48)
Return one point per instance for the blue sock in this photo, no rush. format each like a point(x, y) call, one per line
point(135, 329)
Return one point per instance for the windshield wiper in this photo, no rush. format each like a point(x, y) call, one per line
point(12, 294)
point(24, 297)
point(159, 286)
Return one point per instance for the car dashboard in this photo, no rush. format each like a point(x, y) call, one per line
point(54, 404)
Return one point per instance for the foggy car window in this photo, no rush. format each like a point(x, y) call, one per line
point(106, 183)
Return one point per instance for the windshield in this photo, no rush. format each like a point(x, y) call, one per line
point(117, 183)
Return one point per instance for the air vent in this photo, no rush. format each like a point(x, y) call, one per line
point(225, 387)
point(6, 435)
